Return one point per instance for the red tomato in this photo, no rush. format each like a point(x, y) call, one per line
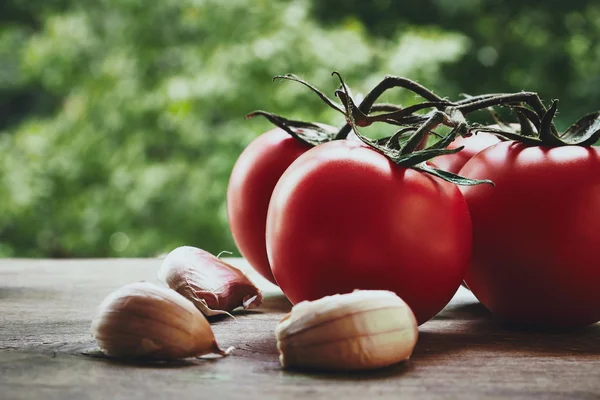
point(473, 145)
point(535, 233)
point(250, 187)
point(344, 217)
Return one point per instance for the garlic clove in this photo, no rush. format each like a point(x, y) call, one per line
point(144, 320)
point(365, 329)
point(214, 286)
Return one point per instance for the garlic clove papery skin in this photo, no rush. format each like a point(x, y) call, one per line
point(356, 331)
point(214, 286)
point(144, 320)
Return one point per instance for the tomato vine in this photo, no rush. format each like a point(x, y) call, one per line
point(535, 123)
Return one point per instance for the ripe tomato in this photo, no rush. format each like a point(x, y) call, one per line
point(344, 217)
point(535, 233)
point(253, 178)
point(473, 145)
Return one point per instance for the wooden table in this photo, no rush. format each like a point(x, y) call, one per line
point(47, 352)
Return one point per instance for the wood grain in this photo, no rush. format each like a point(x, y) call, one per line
point(47, 352)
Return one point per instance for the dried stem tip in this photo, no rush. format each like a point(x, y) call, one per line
point(214, 286)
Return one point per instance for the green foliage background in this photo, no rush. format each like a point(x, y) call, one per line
point(120, 120)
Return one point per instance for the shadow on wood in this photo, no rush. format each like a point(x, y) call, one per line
point(149, 363)
point(396, 370)
point(496, 337)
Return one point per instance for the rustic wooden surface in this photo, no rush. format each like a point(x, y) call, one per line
point(46, 351)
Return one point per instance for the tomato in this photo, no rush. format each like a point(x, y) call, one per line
point(252, 181)
point(344, 217)
point(472, 145)
point(535, 233)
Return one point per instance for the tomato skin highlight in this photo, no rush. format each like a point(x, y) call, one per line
point(344, 217)
point(535, 233)
point(472, 145)
point(251, 184)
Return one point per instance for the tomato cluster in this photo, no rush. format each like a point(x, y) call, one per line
point(513, 209)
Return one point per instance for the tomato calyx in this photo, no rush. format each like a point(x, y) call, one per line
point(540, 131)
point(402, 148)
point(311, 133)
point(314, 133)
point(392, 112)
point(535, 120)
